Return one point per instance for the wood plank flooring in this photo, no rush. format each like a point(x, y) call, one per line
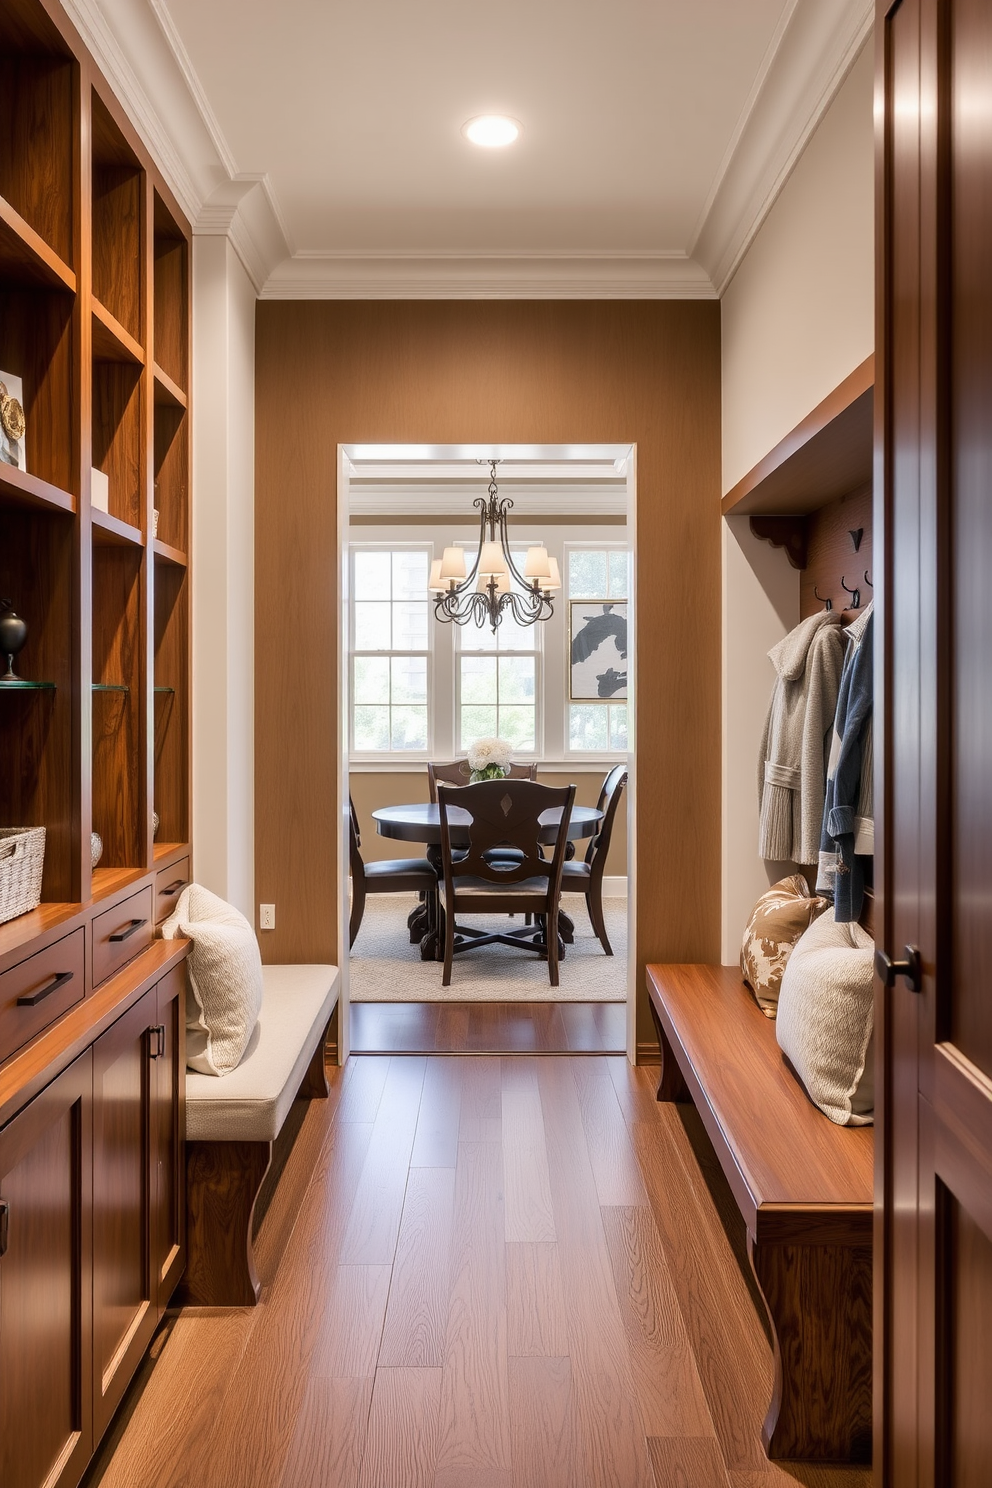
point(477, 1273)
point(488, 1027)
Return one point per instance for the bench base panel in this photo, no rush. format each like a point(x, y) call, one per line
point(222, 1184)
point(819, 1302)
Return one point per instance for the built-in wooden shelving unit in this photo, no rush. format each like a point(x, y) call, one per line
point(95, 321)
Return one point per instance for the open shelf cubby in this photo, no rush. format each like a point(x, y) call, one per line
point(39, 786)
point(171, 497)
point(118, 196)
point(171, 338)
point(171, 701)
point(39, 137)
point(119, 787)
point(117, 431)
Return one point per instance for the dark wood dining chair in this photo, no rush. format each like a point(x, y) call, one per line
point(504, 814)
point(585, 875)
point(390, 876)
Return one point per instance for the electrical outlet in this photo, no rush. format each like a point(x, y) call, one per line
point(266, 917)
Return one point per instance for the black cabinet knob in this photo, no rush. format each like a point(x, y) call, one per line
point(911, 968)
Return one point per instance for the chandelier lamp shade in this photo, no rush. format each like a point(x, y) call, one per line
point(494, 585)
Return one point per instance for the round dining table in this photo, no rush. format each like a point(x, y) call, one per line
point(420, 822)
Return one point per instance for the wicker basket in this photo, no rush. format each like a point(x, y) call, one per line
point(22, 860)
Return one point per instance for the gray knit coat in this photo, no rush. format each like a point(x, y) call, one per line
point(792, 763)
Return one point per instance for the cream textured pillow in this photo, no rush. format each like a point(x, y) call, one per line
point(225, 979)
point(779, 918)
point(824, 1025)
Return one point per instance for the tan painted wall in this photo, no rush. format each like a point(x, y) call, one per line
point(374, 789)
point(798, 315)
point(447, 372)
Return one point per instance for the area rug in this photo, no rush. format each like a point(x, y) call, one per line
point(385, 967)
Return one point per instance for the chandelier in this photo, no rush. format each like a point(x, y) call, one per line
point(493, 585)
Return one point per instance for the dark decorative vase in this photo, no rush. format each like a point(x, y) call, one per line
point(13, 634)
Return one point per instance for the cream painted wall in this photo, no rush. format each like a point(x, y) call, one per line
point(797, 318)
point(761, 604)
point(223, 570)
point(798, 315)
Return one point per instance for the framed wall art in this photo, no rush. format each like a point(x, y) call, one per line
point(597, 650)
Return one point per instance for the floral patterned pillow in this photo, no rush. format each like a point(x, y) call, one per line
point(779, 918)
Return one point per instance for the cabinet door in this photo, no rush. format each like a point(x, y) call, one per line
point(935, 1023)
point(125, 1301)
point(168, 1130)
point(45, 1396)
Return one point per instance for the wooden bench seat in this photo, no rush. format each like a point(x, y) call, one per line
point(804, 1188)
point(232, 1122)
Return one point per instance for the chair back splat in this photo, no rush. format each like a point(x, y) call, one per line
point(609, 800)
point(458, 772)
point(504, 814)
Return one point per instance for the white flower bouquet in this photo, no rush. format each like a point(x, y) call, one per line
point(489, 759)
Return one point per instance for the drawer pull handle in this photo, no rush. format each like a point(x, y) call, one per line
point(911, 968)
point(4, 1214)
point(126, 934)
point(172, 888)
point(32, 999)
point(156, 1041)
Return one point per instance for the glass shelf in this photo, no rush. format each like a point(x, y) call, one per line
point(165, 689)
point(21, 686)
point(110, 687)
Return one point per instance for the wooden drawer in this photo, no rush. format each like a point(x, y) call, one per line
point(169, 884)
point(121, 933)
point(39, 990)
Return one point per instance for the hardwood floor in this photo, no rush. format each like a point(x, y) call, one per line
point(477, 1273)
point(488, 1027)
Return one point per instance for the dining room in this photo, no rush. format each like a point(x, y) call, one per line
point(486, 670)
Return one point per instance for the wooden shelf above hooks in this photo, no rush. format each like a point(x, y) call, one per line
point(827, 456)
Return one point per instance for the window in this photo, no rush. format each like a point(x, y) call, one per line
point(390, 681)
point(498, 682)
point(596, 588)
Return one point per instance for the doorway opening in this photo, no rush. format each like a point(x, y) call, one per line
point(414, 689)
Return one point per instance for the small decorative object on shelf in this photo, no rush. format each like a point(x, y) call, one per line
point(489, 759)
point(13, 447)
point(13, 634)
point(155, 823)
point(22, 862)
point(154, 521)
point(99, 491)
point(96, 848)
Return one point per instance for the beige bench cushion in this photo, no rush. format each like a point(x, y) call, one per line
point(252, 1102)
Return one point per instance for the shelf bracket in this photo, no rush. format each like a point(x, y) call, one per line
point(782, 531)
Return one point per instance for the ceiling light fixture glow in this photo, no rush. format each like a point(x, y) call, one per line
point(491, 131)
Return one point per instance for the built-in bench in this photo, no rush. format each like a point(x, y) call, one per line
point(233, 1121)
point(804, 1189)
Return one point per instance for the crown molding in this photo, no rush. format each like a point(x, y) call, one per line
point(806, 64)
point(518, 276)
point(138, 48)
point(454, 499)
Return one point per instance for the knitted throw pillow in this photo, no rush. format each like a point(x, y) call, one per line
point(825, 1014)
point(225, 979)
point(779, 918)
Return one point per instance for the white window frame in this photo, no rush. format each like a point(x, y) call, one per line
point(605, 756)
point(378, 756)
point(537, 651)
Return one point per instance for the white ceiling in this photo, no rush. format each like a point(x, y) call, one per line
point(355, 113)
point(326, 136)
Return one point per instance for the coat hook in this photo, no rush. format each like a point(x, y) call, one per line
point(857, 533)
point(827, 603)
point(868, 580)
point(854, 593)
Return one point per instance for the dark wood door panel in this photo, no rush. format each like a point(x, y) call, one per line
point(124, 1315)
point(167, 1231)
point(965, 1449)
point(45, 1399)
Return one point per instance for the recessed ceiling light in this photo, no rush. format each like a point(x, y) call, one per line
point(491, 130)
